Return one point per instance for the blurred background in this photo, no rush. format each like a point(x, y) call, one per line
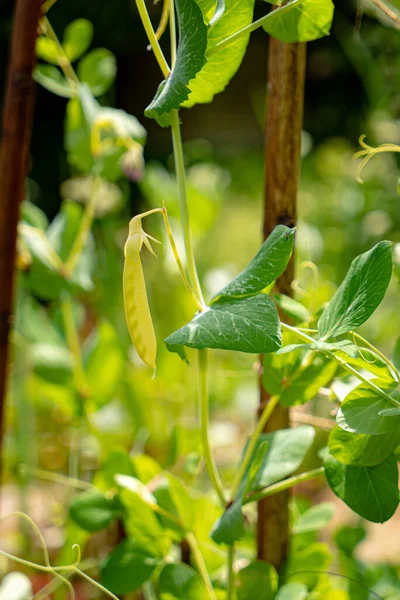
point(352, 88)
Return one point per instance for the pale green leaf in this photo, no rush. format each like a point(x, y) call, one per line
point(98, 70)
point(47, 50)
point(360, 293)
point(345, 346)
point(292, 591)
point(301, 21)
point(51, 78)
point(181, 582)
point(372, 492)
point(78, 36)
point(362, 450)
point(308, 564)
point(258, 580)
point(314, 519)
point(221, 65)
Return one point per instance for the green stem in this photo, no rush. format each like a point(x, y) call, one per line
point(284, 485)
point(262, 421)
point(151, 36)
point(183, 206)
point(62, 56)
point(71, 334)
point(393, 371)
point(57, 478)
point(200, 564)
point(231, 593)
point(172, 32)
point(204, 420)
point(345, 366)
point(253, 26)
point(84, 230)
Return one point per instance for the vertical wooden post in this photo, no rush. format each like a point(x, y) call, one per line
point(285, 102)
point(15, 140)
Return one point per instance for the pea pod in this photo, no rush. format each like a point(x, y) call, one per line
point(137, 311)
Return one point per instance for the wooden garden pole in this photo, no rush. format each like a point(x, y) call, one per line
point(14, 153)
point(285, 101)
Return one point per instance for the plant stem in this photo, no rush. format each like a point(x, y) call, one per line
point(262, 421)
point(57, 478)
point(253, 26)
point(183, 206)
point(389, 12)
point(204, 420)
point(345, 366)
point(151, 36)
point(393, 371)
point(284, 485)
point(172, 32)
point(200, 564)
point(71, 334)
point(83, 231)
point(63, 59)
point(231, 593)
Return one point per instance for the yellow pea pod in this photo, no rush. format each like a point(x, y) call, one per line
point(137, 311)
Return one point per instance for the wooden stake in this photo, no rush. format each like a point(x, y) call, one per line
point(15, 140)
point(285, 100)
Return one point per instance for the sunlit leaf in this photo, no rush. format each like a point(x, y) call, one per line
point(301, 21)
point(78, 36)
point(362, 450)
point(314, 519)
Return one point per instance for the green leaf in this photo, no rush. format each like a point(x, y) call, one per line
point(301, 21)
point(345, 346)
point(230, 526)
point(246, 325)
point(287, 449)
point(314, 519)
point(98, 70)
point(128, 566)
point(44, 278)
point(181, 498)
point(372, 492)
point(117, 462)
point(190, 59)
point(359, 412)
point(52, 362)
point(258, 580)
point(285, 376)
point(307, 565)
point(181, 582)
point(267, 265)
point(47, 50)
point(362, 450)
point(93, 511)
point(222, 64)
point(292, 591)
point(78, 36)
point(360, 293)
point(53, 80)
point(206, 513)
point(104, 364)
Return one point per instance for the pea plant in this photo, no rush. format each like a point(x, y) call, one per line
point(179, 542)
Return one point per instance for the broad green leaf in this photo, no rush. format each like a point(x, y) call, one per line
point(359, 413)
point(128, 566)
point(246, 325)
point(345, 346)
point(287, 449)
point(292, 308)
point(308, 564)
point(314, 519)
point(362, 450)
point(295, 384)
point(372, 492)
point(141, 524)
point(62, 233)
point(258, 580)
point(360, 293)
point(300, 21)
point(15, 586)
point(98, 70)
point(94, 511)
point(78, 36)
point(104, 364)
point(230, 526)
point(51, 362)
point(47, 50)
point(189, 60)
point(267, 265)
point(222, 64)
point(181, 582)
point(51, 78)
point(44, 277)
point(292, 591)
